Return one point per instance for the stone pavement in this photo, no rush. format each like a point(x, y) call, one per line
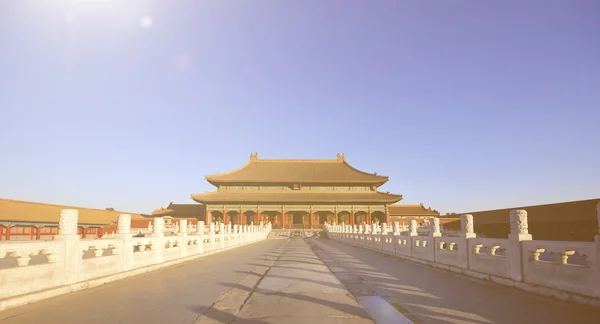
point(430, 295)
point(274, 281)
point(292, 286)
point(300, 281)
point(177, 294)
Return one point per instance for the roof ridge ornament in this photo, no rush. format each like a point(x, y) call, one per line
point(340, 157)
point(254, 156)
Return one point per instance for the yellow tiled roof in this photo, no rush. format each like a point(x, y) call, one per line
point(411, 210)
point(25, 211)
point(296, 171)
point(181, 210)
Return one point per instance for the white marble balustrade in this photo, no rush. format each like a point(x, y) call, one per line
point(566, 270)
point(69, 263)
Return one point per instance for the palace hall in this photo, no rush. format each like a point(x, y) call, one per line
point(298, 194)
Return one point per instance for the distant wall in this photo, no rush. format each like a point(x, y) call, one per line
point(569, 221)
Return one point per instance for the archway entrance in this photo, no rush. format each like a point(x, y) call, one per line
point(217, 217)
point(378, 217)
point(297, 218)
point(323, 216)
point(273, 217)
point(360, 218)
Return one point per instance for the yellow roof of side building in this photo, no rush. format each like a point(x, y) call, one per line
point(34, 212)
point(259, 171)
point(412, 210)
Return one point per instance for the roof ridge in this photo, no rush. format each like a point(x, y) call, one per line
point(66, 206)
point(229, 172)
point(363, 172)
point(299, 160)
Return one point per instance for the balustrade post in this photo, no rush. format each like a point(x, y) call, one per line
point(236, 234)
point(518, 232)
point(412, 232)
point(412, 228)
point(434, 225)
point(124, 233)
point(221, 235)
point(211, 235)
point(182, 226)
point(397, 230)
point(158, 232)
point(467, 232)
point(69, 255)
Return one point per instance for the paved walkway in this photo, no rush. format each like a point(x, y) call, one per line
point(273, 281)
point(299, 281)
point(292, 285)
point(429, 295)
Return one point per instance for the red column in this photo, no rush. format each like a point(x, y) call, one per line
point(38, 232)
point(8, 232)
point(31, 233)
point(207, 217)
point(225, 217)
point(84, 232)
point(387, 217)
point(1, 229)
point(100, 232)
point(257, 216)
point(283, 218)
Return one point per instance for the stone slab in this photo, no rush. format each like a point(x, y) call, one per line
point(381, 311)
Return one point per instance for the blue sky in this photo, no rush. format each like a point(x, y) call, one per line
point(465, 105)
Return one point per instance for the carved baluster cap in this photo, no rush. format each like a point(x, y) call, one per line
point(412, 227)
point(435, 225)
point(518, 222)
point(183, 226)
point(124, 224)
point(67, 224)
point(466, 224)
point(158, 225)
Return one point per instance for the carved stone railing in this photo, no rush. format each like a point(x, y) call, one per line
point(566, 270)
point(34, 270)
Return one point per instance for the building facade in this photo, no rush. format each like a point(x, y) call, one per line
point(297, 194)
point(176, 212)
point(25, 220)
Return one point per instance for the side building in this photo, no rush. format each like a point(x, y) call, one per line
point(25, 220)
point(297, 194)
point(404, 213)
point(176, 212)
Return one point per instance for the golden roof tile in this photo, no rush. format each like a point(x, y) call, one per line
point(411, 210)
point(296, 171)
point(34, 212)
